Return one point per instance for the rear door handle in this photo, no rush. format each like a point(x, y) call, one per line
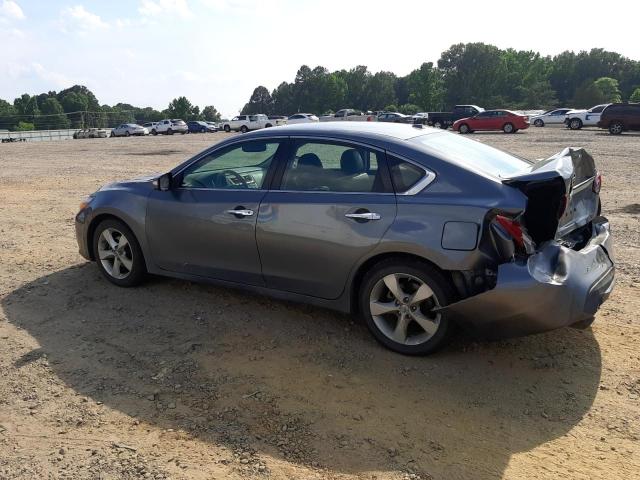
point(364, 216)
point(241, 212)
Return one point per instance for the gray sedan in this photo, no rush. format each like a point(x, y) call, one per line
point(413, 228)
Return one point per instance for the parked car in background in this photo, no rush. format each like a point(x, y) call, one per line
point(550, 117)
point(446, 119)
point(576, 119)
point(246, 123)
point(214, 125)
point(490, 120)
point(149, 125)
point(302, 118)
point(348, 115)
point(395, 117)
point(198, 126)
point(128, 129)
point(170, 126)
point(620, 117)
point(423, 229)
point(91, 133)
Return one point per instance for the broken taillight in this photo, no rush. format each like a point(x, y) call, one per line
point(513, 228)
point(597, 183)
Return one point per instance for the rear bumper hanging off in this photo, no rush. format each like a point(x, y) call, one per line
point(555, 287)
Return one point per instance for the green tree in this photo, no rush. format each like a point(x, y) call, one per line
point(610, 89)
point(635, 96)
point(409, 109)
point(181, 108)
point(380, 90)
point(426, 88)
point(53, 115)
point(26, 105)
point(260, 102)
point(25, 126)
point(391, 108)
point(210, 114)
point(588, 95)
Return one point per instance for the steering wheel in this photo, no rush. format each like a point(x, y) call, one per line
point(235, 174)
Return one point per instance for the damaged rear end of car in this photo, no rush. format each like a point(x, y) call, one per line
point(553, 261)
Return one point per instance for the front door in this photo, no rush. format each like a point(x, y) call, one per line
point(205, 225)
point(334, 204)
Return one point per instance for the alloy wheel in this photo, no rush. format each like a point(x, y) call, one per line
point(115, 253)
point(402, 308)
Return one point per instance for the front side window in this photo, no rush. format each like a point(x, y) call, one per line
point(597, 109)
point(235, 167)
point(484, 115)
point(334, 167)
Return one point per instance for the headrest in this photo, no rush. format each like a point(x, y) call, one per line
point(309, 160)
point(351, 162)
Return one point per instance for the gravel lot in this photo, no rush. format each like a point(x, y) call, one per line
point(180, 380)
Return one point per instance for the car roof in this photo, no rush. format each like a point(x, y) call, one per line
point(353, 130)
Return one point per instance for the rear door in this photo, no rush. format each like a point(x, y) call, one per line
point(333, 205)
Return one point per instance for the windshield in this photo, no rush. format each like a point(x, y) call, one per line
point(472, 154)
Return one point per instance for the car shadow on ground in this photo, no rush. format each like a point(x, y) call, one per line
point(302, 383)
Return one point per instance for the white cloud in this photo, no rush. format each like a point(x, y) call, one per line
point(10, 9)
point(78, 19)
point(154, 8)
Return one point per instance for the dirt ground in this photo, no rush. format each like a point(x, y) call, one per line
point(181, 380)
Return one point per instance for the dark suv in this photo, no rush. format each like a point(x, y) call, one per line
point(620, 117)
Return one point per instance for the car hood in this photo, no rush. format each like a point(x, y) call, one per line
point(139, 182)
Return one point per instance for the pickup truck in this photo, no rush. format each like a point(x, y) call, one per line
point(576, 119)
point(245, 123)
point(348, 115)
point(446, 119)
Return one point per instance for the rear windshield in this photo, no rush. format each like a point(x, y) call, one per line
point(472, 154)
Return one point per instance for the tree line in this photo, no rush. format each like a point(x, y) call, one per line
point(78, 107)
point(466, 73)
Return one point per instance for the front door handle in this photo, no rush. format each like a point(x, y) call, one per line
point(240, 212)
point(364, 216)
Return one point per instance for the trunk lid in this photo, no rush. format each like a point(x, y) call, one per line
point(563, 194)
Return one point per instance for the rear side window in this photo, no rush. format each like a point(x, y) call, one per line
point(404, 175)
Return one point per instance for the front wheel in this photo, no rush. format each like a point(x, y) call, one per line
point(464, 128)
point(227, 128)
point(154, 132)
point(169, 132)
point(508, 128)
point(616, 128)
point(399, 303)
point(118, 253)
point(127, 134)
point(538, 123)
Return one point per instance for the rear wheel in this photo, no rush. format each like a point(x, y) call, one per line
point(169, 132)
point(118, 253)
point(437, 124)
point(127, 134)
point(203, 130)
point(538, 123)
point(616, 128)
point(399, 300)
point(464, 128)
point(575, 124)
point(244, 129)
point(154, 132)
point(508, 128)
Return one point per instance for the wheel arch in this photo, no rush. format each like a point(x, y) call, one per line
point(93, 224)
point(372, 261)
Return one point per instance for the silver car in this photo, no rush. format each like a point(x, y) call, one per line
point(128, 129)
point(413, 228)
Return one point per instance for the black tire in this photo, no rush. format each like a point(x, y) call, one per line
point(138, 270)
point(184, 133)
point(575, 124)
point(154, 132)
point(538, 123)
point(127, 134)
point(203, 130)
point(616, 128)
point(437, 124)
point(268, 125)
point(112, 135)
point(244, 129)
point(464, 128)
point(426, 273)
point(227, 128)
point(508, 128)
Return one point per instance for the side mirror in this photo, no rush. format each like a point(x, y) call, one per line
point(163, 182)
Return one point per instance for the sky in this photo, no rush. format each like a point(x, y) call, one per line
point(215, 52)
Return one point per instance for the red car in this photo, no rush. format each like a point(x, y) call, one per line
point(505, 120)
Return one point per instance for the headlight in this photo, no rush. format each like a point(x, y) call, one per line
point(86, 202)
